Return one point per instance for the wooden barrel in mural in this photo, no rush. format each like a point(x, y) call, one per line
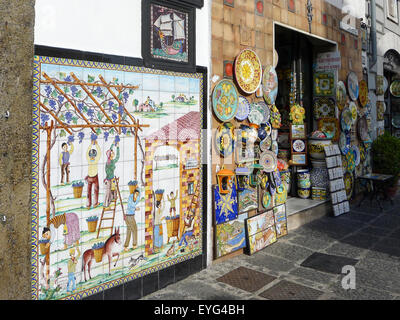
point(173, 227)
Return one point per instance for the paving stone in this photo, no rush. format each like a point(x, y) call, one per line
point(361, 217)
point(246, 279)
point(347, 250)
point(390, 242)
point(375, 231)
point(360, 293)
point(327, 263)
point(313, 275)
point(395, 234)
point(286, 290)
point(361, 240)
point(383, 281)
point(271, 262)
point(389, 250)
point(312, 243)
point(380, 266)
point(387, 222)
point(288, 251)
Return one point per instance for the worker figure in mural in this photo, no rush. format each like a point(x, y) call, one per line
point(159, 205)
point(109, 181)
point(64, 160)
point(172, 201)
point(71, 265)
point(93, 156)
point(189, 228)
point(133, 200)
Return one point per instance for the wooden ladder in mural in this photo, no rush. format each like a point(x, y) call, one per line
point(111, 208)
point(192, 207)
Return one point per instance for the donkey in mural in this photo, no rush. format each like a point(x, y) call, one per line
point(110, 247)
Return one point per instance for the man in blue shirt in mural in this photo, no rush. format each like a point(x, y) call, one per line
point(133, 200)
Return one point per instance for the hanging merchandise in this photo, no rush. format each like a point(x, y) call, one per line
point(395, 88)
point(357, 156)
point(298, 145)
point(225, 100)
point(348, 179)
point(266, 199)
point(269, 161)
point(385, 85)
point(346, 120)
point(324, 108)
point(275, 117)
point(266, 143)
point(350, 161)
point(353, 110)
point(274, 134)
point(316, 143)
point(344, 143)
point(362, 128)
point(380, 110)
point(248, 71)
point(262, 108)
point(297, 114)
point(341, 97)
point(352, 86)
point(330, 126)
point(264, 130)
point(324, 84)
point(379, 85)
point(270, 85)
point(243, 109)
point(225, 139)
point(286, 176)
point(363, 96)
point(275, 147)
point(281, 194)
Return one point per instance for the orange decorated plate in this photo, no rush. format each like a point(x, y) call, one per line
point(363, 95)
point(248, 71)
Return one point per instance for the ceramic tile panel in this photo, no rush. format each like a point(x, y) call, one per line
point(95, 140)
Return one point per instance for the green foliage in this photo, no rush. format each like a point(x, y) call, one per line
point(386, 155)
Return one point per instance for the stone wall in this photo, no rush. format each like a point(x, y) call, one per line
point(16, 56)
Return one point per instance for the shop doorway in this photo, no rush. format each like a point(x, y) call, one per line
point(297, 53)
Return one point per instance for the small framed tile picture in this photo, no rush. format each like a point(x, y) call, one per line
point(168, 35)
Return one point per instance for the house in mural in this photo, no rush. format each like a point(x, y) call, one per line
point(183, 135)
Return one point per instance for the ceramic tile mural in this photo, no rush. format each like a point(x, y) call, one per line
point(116, 174)
point(230, 236)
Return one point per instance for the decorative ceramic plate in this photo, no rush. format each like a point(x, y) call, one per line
point(248, 71)
point(275, 117)
point(275, 147)
point(264, 181)
point(341, 96)
point(379, 85)
point(263, 108)
point(270, 84)
point(331, 126)
point(299, 146)
point(395, 88)
point(266, 199)
point(274, 134)
point(348, 184)
point(324, 84)
point(352, 86)
point(225, 139)
point(357, 156)
point(346, 120)
point(324, 108)
point(363, 95)
point(243, 109)
point(266, 143)
point(350, 161)
point(225, 100)
point(344, 143)
point(353, 110)
point(255, 117)
point(380, 110)
point(385, 85)
point(396, 121)
point(275, 58)
point(269, 161)
point(362, 128)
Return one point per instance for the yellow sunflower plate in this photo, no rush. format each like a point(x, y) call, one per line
point(248, 71)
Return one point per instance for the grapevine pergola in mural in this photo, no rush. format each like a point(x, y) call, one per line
point(68, 105)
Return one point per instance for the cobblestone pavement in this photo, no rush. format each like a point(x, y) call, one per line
point(368, 237)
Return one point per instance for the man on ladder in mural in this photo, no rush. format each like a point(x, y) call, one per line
point(109, 181)
point(92, 179)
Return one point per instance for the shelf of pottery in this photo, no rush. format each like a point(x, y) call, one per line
point(250, 195)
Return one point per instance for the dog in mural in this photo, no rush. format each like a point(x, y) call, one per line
point(109, 250)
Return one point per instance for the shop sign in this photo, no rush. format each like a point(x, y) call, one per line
point(328, 61)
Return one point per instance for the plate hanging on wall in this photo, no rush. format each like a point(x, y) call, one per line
point(344, 143)
point(269, 161)
point(225, 100)
point(357, 155)
point(363, 95)
point(346, 119)
point(353, 86)
point(362, 128)
point(395, 88)
point(248, 71)
point(243, 109)
point(263, 108)
point(341, 96)
point(324, 108)
point(299, 145)
point(266, 143)
point(353, 110)
point(270, 84)
point(225, 139)
point(255, 117)
point(348, 184)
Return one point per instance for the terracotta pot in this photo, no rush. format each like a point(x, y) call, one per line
point(98, 254)
point(92, 225)
point(77, 192)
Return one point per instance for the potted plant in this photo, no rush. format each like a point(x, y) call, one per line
point(386, 160)
point(92, 223)
point(77, 187)
point(98, 249)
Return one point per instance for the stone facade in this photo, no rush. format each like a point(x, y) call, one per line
point(16, 57)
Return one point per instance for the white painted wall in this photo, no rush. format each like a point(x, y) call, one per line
point(114, 27)
point(111, 27)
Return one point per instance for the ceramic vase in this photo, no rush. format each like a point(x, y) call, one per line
point(303, 179)
point(316, 147)
point(286, 178)
point(262, 133)
point(319, 174)
point(304, 193)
